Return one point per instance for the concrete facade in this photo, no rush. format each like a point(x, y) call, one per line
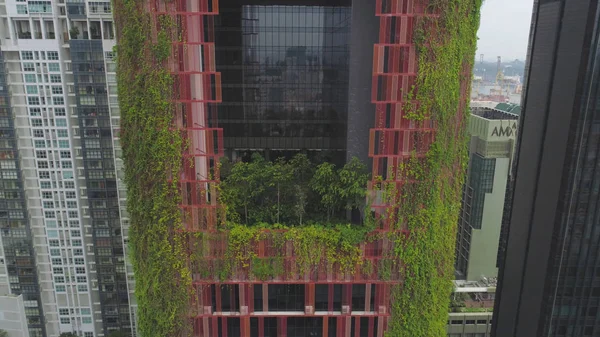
point(57, 66)
point(12, 316)
point(493, 133)
point(469, 324)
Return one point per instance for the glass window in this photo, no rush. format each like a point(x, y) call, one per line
point(57, 90)
point(9, 175)
point(21, 9)
point(40, 7)
point(53, 66)
point(30, 78)
point(58, 100)
point(27, 55)
point(33, 100)
point(31, 89)
point(286, 297)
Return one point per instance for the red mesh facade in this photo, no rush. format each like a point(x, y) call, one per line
point(337, 304)
point(395, 139)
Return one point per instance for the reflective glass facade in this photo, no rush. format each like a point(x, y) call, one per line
point(16, 242)
point(99, 164)
point(285, 73)
point(550, 276)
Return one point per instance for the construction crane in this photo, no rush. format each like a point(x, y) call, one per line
point(499, 74)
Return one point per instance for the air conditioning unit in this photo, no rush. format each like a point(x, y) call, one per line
point(345, 309)
point(382, 310)
point(207, 310)
point(309, 310)
point(244, 310)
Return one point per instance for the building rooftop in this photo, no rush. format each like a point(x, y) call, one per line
point(493, 114)
point(509, 107)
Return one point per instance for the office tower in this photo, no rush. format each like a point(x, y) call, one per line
point(60, 218)
point(200, 80)
point(493, 133)
point(548, 283)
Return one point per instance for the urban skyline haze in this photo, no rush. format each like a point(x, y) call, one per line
point(504, 29)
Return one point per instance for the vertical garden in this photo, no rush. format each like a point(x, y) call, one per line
point(305, 206)
point(446, 44)
point(152, 160)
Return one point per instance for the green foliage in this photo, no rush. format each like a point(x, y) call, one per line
point(291, 192)
point(429, 208)
point(336, 246)
point(3, 333)
point(152, 160)
point(74, 32)
point(326, 183)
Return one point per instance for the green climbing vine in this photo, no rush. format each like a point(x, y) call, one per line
point(306, 247)
point(152, 160)
point(429, 208)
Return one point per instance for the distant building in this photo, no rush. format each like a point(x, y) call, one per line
point(513, 108)
point(12, 316)
point(469, 324)
point(471, 309)
point(493, 133)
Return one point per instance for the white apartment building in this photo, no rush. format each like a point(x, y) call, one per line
point(61, 202)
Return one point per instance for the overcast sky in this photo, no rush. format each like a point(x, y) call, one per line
point(504, 29)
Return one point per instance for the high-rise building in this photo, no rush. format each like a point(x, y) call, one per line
point(493, 133)
point(13, 320)
point(386, 81)
point(549, 278)
point(60, 216)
